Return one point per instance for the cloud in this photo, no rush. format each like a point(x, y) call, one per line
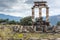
point(6, 4)
point(22, 8)
point(29, 1)
point(19, 8)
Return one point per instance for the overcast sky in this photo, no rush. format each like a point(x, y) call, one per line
point(22, 8)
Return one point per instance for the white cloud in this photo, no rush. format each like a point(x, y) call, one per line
point(22, 9)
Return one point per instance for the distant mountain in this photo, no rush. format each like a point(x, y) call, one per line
point(53, 19)
point(2, 16)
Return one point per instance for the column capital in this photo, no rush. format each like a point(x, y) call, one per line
point(47, 7)
point(32, 8)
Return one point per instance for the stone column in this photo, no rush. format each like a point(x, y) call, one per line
point(40, 14)
point(33, 17)
point(32, 14)
point(47, 14)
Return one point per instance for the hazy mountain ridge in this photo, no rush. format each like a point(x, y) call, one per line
point(2, 16)
point(53, 19)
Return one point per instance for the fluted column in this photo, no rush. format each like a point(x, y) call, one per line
point(47, 14)
point(33, 17)
point(40, 12)
point(32, 14)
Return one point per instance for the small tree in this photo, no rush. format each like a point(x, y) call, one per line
point(58, 23)
point(12, 22)
point(4, 21)
point(26, 21)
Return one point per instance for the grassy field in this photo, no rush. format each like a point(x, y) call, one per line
point(5, 35)
point(6, 32)
point(39, 35)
